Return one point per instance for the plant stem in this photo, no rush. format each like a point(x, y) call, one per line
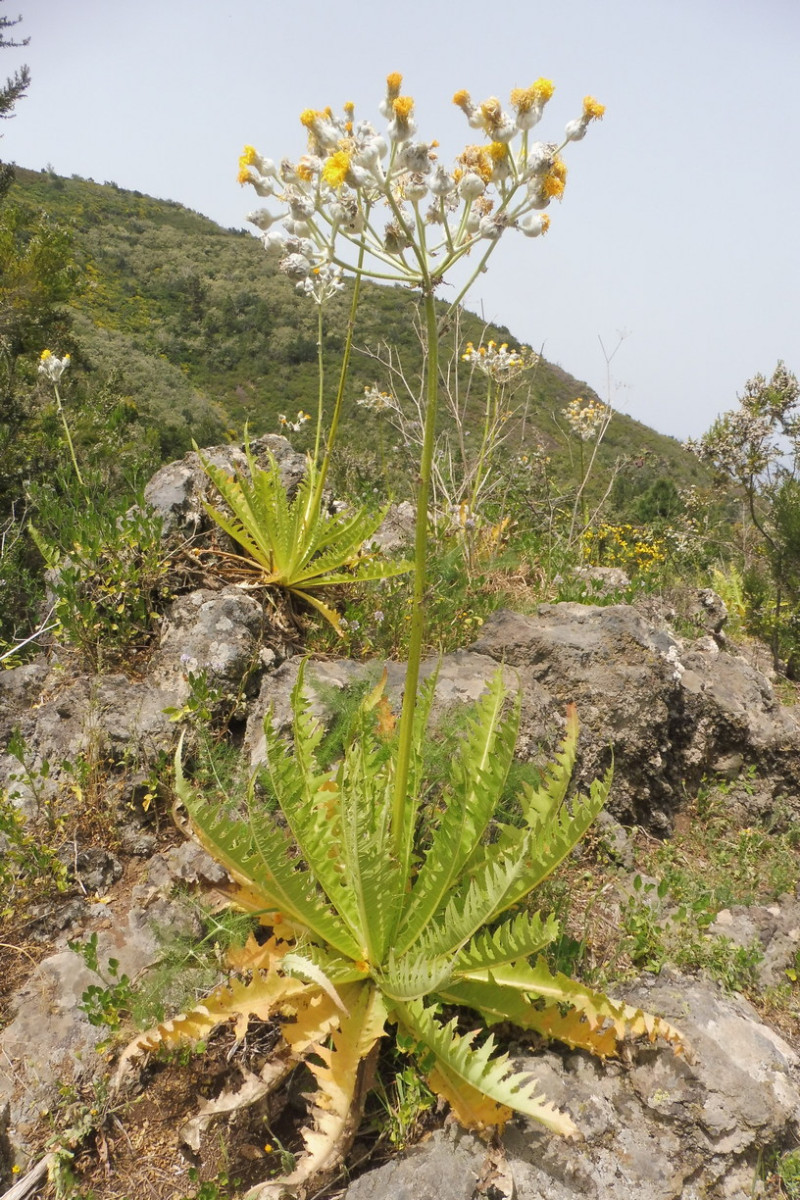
point(320, 393)
point(406, 729)
point(316, 498)
point(487, 419)
point(63, 416)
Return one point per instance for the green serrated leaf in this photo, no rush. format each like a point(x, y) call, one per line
point(473, 1063)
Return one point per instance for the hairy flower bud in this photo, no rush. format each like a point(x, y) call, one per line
point(295, 266)
point(471, 186)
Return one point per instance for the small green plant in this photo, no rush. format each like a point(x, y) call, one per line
point(30, 867)
point(109, 1002)
point(80, 1114)
point(786, 1173)
point(294, 544)
point(32, 776)
point(404, 1103)
point(109, 577)
point(221, 1187)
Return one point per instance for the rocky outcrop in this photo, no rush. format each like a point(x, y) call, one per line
point(120, 722)
point(658, 1127)
point(669, 712)
point(177, 491)
point(666, 712)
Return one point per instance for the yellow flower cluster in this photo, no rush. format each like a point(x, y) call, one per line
point(586, 420)
point(625, 546)
point(434, 216)
point(52, 367)
point(498, 362)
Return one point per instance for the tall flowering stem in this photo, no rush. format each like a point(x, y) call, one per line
point(406, 730)
point(351, 180)
point(52, 368)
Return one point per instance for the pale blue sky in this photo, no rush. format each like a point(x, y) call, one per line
point(679, 224)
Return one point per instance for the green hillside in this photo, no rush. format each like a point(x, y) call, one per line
point(194, 324)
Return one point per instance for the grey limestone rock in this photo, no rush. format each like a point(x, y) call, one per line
point(659, 1127)
point(215, 632)
point(177, 491)
point(671, 713)
point(776, 926)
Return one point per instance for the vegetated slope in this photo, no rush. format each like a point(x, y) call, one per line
point(198, 327)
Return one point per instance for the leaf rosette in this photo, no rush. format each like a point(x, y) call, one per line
point(363, 940)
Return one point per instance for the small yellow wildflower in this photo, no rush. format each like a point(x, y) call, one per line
point(556, 178)
point(394, 81)
point(462, 98)
point(592, 109)
point(336, 168)
point(402, 107)
point(524, 99)
point(477, 159)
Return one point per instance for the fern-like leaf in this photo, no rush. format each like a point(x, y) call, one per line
point(371, 870)
point(261, 858)
point(517, 938)
point(462, 1060)
point(501, 1005)
point(264, 995)
point(338, 1102)
point(555, 838)
point(539, 982)
point(540, 803)
point(311, 803)
point(476, 903)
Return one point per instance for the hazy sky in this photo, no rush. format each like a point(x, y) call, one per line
point(679, 224)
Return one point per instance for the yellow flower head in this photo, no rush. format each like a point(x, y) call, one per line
point(248, 157)
point(524, 99)
point(349, 108)
point(402, 107)
point(497, 151)
point(556, 178)
point(309, 116)
point(394, 81)
point(463, 99)
point(336, 168)
point(491, 111)
point(477, 159)
point(244, 176)
point(45, 355)
point(592, 109)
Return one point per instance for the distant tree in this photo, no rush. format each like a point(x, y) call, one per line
point(13, 90)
